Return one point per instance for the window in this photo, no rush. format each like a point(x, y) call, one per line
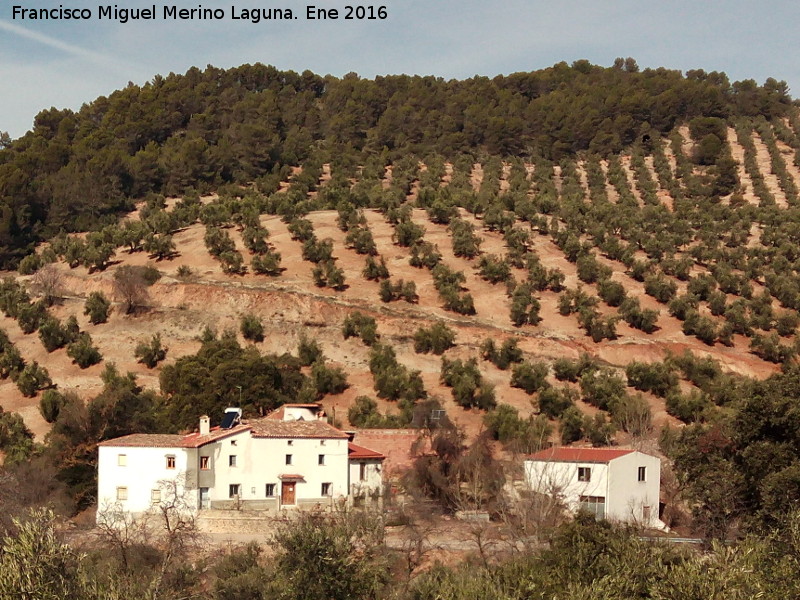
point(362, 471)
point(233, 490)
point(642, 473)
point(584, 474)
point(204, 463)
point(122, 494)
point(289, 442)
point(595, 505)
point(171, 461)
point(155, 496)
point(232, 460)
point(233, 442)
point(288, 459)
point(270, 490)
point(326, 489)
point(322, 442)
point(321, 460)
point(122, 460)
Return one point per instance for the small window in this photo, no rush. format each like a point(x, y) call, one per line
point(204, 463)
point(642, 473)
point(233, 490)
point(270, 490)
point(321, 460)
point(288, 459)
point(362, 471)
point(233, 442)
point(122, 494)
point(289, 442)
point(232, 460)
point(322, 442)
point(155, 496)
point(122, 460)
point(326, 489)
point(584, 474)
point(170, 462)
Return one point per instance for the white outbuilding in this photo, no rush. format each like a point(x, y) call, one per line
point(611, 483)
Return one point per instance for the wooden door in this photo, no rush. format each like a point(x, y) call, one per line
point(287, 492)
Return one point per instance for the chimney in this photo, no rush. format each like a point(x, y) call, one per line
point(205, 425)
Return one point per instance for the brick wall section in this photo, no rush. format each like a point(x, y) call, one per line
point(397, 445)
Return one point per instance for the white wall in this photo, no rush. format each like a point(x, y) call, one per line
point(628, 496)
point(372, 483)
point(561, 479)
point(260, 461)
point(616, 481)
point(145, 470)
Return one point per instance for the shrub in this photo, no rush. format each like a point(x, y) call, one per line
point(268, 263)
point(554, 402)
point(660, 288)
point(32, 379)
point(468, 387)
point(531, 377)
point(83, 353)
point(150, 353)
point(570, 370)
point(493, 268)
point(50, 405)
point(327, 274)
point(602, 388)
point(655, 377)
point(97, 307)
point(611, 292)
point(309, 351)
point(328, 380)
point(509, 352)
point(362, 326)
point(437, 338)
point(374, 271)
point(252, 328)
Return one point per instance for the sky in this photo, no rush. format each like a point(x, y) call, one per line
point(66, 63)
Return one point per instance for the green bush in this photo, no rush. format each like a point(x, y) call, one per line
point(83, 352)
point(33, 378)
point(150, 353)
point(359, 325)
point(531, 377)
point(252, 328)
point(437, 338)
point(328, 380)
point(97, 307)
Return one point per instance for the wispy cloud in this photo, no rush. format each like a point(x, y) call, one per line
point(105, 60)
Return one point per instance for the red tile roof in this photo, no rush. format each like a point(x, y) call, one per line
point(195, 440)
point(269, 428)
point(146, 440)
point(261, 428)
point(595, 455)
point(355, 451)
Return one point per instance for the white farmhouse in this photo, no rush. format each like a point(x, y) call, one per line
point(289, 459)
point(611, 483)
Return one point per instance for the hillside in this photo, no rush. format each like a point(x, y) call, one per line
point(651, 220)
point(80, 170)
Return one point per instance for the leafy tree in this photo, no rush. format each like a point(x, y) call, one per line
point(33, 378)
point(252, 328)
point(97, 307)
point(437, 338)
point(530, 377)
point(150, 353)
point(83, 352)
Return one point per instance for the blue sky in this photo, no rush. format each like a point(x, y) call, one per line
point(65, 64)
